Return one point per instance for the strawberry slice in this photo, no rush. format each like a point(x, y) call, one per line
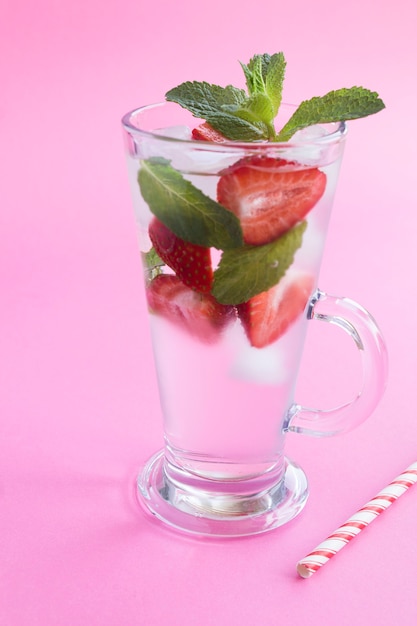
point(190, 262)
point(268, 197)
point(205, 132)
point(267, 316)
point(199, 314)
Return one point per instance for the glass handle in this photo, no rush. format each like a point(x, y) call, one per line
point(362, 328)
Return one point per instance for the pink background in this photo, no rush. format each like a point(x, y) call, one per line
point(78, 403)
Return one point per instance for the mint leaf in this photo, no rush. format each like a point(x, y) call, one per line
point(234, 127)
point(274, 80)
point(218, 106)
point(255, 73)
point(244, 272)
point(153, 263)
point(184, 209)
point(256, 109)
point(203, 99)
point(152, 259)
point(336, 106)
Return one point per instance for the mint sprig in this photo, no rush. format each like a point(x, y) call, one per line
point(241, 116)
point(186, 210)
point(235, 114)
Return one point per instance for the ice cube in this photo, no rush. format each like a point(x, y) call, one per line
point(309, 254)
point(184, 155)
point(197, 161)
point(264, 367)
point(310, 133)
point(308, 150)
point(175, 132)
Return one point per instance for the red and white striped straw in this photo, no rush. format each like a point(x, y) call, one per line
point(360, 520)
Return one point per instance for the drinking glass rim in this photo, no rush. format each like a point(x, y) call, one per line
point(331, 137)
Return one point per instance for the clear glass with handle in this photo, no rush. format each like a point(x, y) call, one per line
point(232, 237)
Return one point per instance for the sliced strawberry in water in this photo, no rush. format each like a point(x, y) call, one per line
point(269, 196)
point(199, 314)
point(190, 262)
point(267, 316)
point(205, 132)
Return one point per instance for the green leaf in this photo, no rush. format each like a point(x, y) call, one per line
point(260, 107)
point(153, 263)
point(248, 76)
point(184, 209)
point(235, 128)
point(274, 80)
point(152, 259)
point(244, 272)
point(336, 106)
point(257, 110)
point(259, 63)
point(203, 99)
point(256, 83)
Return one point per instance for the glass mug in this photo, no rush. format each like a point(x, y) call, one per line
point(227, 397)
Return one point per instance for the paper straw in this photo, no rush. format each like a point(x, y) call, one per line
point(353, 526)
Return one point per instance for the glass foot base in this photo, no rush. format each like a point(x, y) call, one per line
point(215, 511)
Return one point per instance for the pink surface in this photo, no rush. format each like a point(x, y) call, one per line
point(79, 410)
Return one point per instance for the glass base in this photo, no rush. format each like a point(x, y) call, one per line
point(216, 511)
